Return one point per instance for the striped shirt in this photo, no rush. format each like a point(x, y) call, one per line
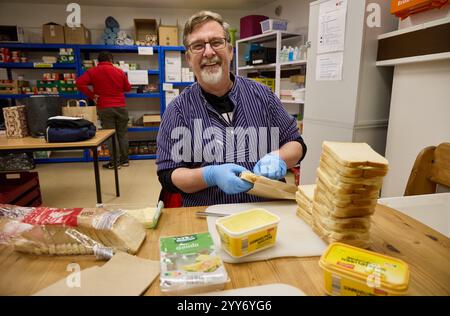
point(193, 135)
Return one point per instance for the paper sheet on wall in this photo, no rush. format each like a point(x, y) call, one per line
point(329, 66)
point(138, 76)
point(145, 50)
point(171, 95)
point(332, 19)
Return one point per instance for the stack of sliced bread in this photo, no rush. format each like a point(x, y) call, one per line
point(304, 197)
point(349, 180)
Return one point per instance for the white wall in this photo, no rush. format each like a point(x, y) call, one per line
point(419, 112)
point(32, 16)
point(420, 117)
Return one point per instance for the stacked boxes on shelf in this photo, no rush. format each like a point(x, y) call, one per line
point(14, 86)
point(146, 32)
point(57, 83)
point(142, 148)
point(15, 56)
point(102, 151)
point(66, 55)
point(270, 82)
point(187, 75)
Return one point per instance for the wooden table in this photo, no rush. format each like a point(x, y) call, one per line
point(426, 251)
point(37, 144)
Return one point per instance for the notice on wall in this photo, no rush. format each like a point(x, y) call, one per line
point(138, 77)
point(143, 50)
point(332, 19)
point(329, 66)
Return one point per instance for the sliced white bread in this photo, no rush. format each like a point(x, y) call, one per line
point(304, 215)
point(350, 200)
point(340, 212)
point(336, 178)
point(342, 225)
point(346, 188)
point(354, 154)
point(356, 239)
point(358, 172)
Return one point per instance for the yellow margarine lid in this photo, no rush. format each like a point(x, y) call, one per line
point(363, 265)
point(249, 220)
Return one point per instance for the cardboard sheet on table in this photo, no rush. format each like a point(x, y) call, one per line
point(277, 289)
point(123, 275)
point(295, 238)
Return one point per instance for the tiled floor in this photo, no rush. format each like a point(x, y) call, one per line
point(73, 185)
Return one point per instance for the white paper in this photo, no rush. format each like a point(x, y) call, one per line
point(145, 50)
point(329, 66)
point(332, 20)
point(167, 86)
point(171, 95)
point(138, 77)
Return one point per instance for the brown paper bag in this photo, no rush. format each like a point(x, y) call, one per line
point(123, 275)
point(268, 188)
point(15, 121)
point(73, 108)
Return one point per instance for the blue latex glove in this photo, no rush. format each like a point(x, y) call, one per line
point(271, 166)
point(226, 177)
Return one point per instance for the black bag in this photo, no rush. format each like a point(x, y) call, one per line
point(60, 130)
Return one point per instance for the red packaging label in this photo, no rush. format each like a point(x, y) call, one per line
point(53, 216)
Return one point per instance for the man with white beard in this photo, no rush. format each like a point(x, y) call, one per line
point(213, 111)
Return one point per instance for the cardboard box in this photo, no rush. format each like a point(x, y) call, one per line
point(146, 30)
point(168, 36)
point(297, 79)
point(151, 120)
point(53, 33)
point(77, 35)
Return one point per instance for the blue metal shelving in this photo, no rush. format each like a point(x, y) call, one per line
point(23, 96)
point(143, 129)
point(181, 84)
point(143, 95)
point(77, 66)
point(34, 66)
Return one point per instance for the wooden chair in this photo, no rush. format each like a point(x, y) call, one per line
point(432, 167)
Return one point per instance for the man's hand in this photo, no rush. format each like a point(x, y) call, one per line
point(226, 177)
point(95, 99)
point(271, 166)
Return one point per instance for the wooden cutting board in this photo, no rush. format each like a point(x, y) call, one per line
point(294, 237)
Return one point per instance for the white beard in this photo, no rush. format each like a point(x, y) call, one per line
point(211, 77)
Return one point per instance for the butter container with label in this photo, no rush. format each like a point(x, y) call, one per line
point(247, 232)
point(352, 271)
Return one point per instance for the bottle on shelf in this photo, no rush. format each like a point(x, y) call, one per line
point(296, 53)
point(283, 54)
point(290, 54)
point(303, 52)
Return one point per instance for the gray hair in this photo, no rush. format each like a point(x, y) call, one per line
point(200, 18)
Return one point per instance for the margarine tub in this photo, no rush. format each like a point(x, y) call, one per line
point(353, 271)
point(247, 232)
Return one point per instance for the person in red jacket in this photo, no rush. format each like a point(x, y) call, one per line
point(109, 85)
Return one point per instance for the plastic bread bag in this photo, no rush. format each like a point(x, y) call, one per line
point(71, 231)
point(145, 214)
point(190, 264)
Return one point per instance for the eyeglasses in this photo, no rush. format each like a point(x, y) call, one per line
point(215, 43)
